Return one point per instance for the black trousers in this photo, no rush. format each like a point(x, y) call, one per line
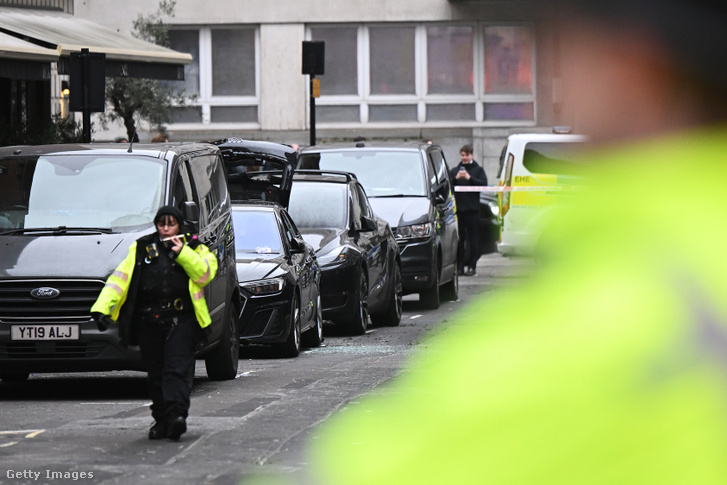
point(469, 239)
point(167, 349)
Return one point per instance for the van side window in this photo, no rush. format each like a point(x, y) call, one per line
point(364, 202)
point(205, 173)
point(431, 171)
point(181, 186)
point(440, 167)
point(355, 211)
point(219, 182)
point(291, 232)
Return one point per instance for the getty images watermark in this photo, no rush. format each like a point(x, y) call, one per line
point(47, 475)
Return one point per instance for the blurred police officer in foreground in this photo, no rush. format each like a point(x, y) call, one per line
point(156, 293)
point(609, 365)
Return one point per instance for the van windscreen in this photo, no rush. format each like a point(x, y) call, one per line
point(80, 191)
point(383, 173)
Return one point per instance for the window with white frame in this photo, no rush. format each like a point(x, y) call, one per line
point(465, 73)
point(222, 75)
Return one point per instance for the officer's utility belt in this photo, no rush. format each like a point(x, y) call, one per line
point(162, 311)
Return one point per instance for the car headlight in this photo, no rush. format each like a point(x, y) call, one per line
point(414, 231)
point(265, 287)
point(338, 255)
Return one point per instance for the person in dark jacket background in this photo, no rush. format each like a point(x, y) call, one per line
point(468, 172)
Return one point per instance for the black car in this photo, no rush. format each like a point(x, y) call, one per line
point(277, 270)
point(357, 251)
point(279, 279)
point(408, 185)
point(68, 214)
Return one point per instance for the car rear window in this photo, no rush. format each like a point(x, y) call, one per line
point(318, 205)
point(256, 232)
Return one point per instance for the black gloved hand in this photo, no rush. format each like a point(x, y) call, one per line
point(102, 321)
point(203, 337)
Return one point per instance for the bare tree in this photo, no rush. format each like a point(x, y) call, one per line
point(135, 101)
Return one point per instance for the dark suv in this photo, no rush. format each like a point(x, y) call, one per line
point(68, 214)
point(407, 185)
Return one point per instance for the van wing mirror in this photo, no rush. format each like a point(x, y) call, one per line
point(190, 211)
point(441, 194)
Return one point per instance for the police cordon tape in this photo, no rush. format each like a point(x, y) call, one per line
point(529, 188)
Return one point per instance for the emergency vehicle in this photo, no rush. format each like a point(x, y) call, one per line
point(537, 172)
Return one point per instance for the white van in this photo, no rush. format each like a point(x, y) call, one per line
point(536, 173)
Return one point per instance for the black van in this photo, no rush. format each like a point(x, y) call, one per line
point(408, 185)
point(68, 214)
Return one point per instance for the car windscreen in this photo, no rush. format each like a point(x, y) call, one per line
point(256, 231)
point(383, 173)
point(316, 205)
point(553, 158)
point(80, 191)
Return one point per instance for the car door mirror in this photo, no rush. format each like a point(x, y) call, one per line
point(190, 211)
point(368, 224)
point(297, 245)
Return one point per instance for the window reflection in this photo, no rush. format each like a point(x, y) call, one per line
point(508, 55)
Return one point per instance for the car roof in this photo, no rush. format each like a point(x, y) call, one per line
point(377, 145)
point(329, 176)
point(157, 150)
point(546, 137)
point(265, 205)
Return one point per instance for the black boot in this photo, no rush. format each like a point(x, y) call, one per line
point(158, 430)
point(176, 427)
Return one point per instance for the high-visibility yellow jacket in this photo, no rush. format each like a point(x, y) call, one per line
point(199, 264)
point(607, 366)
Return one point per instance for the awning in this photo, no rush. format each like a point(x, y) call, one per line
point(126, 56)
point(23, 60)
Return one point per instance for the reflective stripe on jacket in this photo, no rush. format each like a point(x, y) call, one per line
point(199, 264)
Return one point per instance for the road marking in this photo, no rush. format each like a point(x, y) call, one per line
point(127, 403)
point(414, 317)
point(29, 433)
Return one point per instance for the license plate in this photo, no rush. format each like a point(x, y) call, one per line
point(44, 332)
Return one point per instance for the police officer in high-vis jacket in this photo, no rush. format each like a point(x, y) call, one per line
point(156, 294)
point(609, 364)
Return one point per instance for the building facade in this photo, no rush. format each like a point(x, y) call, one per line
point(451, 71)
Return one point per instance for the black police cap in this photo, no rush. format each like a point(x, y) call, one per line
point(169, 210)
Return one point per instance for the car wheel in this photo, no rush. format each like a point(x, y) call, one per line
point(392, 316)
point(430, 297)
point(359, 322)
point(314, 336)
point(450, 291)
point(14, 376)
point(222, 361)
point(291, 347)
